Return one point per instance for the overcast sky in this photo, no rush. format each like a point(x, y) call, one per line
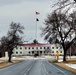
point(23, 11)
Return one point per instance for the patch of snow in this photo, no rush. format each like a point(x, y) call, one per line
point(60, 60)
point(71, 57)
point(72, 65)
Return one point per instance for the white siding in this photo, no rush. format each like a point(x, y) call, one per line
point(27, 50)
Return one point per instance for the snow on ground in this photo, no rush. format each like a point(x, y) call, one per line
point(72, 65)
point(70, 57)
point(46, 57)
point(42, 57)
point(60, 60)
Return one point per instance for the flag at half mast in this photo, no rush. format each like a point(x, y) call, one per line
point(37, 19)
point(37, 13)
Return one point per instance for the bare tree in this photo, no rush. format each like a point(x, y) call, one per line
point(13, 38)
point(61, 24)
point(35, 41)
point(3, 45)
point(59, 29)
point(64, 5)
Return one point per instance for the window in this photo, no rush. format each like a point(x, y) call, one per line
point(20, 52)
point(29, 52)
point(20, 47)
point(44, 48)
point(37, 52)
point(40, 47)
point(60, 51)
point(52, 47)
point(29, 47)
point(32, 52)
point(47, 47)
point(32, 47)
point(56, 47)
point(16, 52)
point(25, 47)
point(52, 51)
point(60, 47)
point(36, 47)
point(40, 52)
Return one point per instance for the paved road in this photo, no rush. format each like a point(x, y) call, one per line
point(34, 67)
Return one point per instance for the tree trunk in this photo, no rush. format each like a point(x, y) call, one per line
point(9, 60)
point(64, 48)
point(64, 57)
point(10, 53)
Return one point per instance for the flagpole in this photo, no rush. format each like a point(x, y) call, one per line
point(36, 13)
point(36, 28)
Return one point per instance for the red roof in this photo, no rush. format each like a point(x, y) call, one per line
point(33, 44)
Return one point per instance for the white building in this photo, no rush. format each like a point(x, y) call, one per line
point(40, 49)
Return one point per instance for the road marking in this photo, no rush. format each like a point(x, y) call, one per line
point(44, 69)
point(58, 69)
point(28, 69)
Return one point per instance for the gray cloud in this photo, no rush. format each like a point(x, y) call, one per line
point(23, 11)
point(7, 2)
